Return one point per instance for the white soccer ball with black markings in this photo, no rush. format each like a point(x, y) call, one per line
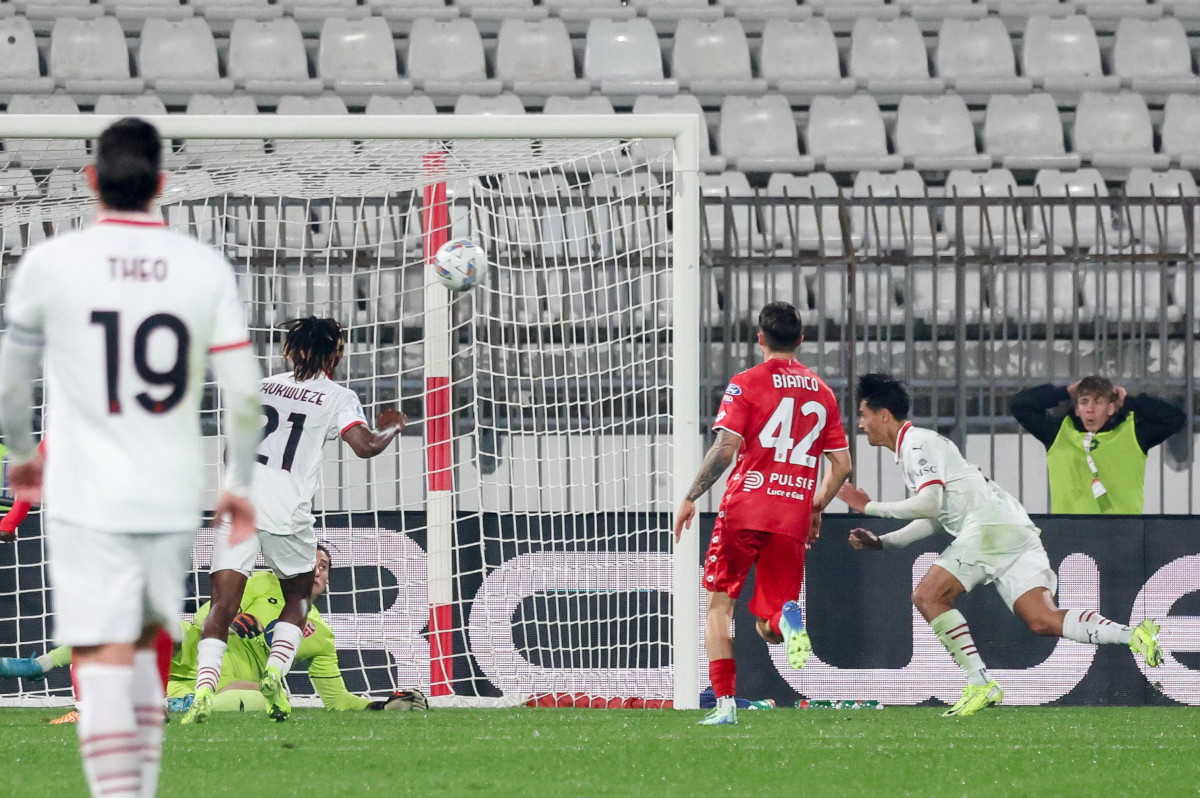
point(460, 264)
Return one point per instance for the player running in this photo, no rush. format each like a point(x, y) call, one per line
point(778, 418)
point(302, 409)
point(126, 313)
point(994, 541)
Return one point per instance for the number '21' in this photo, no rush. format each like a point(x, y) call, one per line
point(293, 442)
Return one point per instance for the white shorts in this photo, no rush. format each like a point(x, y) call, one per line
point(109, 586)
point(286, 555)
point(1014, 572)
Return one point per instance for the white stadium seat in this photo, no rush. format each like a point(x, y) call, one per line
point(1062, 56)
point(45, 153)
point(712, 59)
point(20, 71)
point(1026, 132)
point(800, 60)
point(1113, 130)
point(446, 78)
point(847, 134)
point(976, 58)
point(268, 60)
point(179, 59)
point(88, 57)
point(679, 104)
point(534, 60)
point(936, 133)
point(1153, 55)
point(888, 58)
point(1160, 227)
point(800, 226)
point(622, 59)
point(1087, 224)
point(357, 59)
point(994, 228)
point(758, 134)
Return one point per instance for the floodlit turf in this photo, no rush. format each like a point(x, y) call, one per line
point(895, 751)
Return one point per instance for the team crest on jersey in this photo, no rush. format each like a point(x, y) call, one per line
point(754, 479)
point(309, 628)
point(733, 390)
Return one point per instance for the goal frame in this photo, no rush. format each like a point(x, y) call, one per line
point(682, 129)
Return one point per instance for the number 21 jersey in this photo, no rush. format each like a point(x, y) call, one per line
point(787, 417)
point(298, 418)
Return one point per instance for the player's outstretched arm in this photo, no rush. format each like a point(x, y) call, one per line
point(864, 539)
point(836, 473)
point(366, 442)
point(238, 376)
point(717, 459)
point(20, 363)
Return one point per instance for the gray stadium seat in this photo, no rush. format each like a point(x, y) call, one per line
point(934, 297)
point(976, 58)
point(666, 14)
point(1128, 292)
point(936, 133)
point(16, 185)
point(268, 60)
point(444, 78)
point(711, 59)
point(931, 13)
point(1181, 120)
point(1062, 56)
point(1153, 56)
point(1025, 132)
point(758, 134)
point(802, 227)
point(800, 60)
point(504, 104)
point(88, 57)
point(46, 153)
point(357, 59)
point(534, 60)
point(221, 14)
point(490, 14)
point(311, 15)
point(1088, 224)
point(179, 58)
point(847, 134)
point(1114, 131)
point(132, 14)
point(679, 104)
point(877, 292)
point(578, 14)
point(400, 14)
point(1106, 15)
point(622, 59)
point(739, 237)
point(325, 105)
point(1160, 228)
point(42, 14)
point(888, 58)
point(755, 15)
point(905, 227)
point(1035, 293)
point(20, 70)
point(994, 228)
point(844, 12)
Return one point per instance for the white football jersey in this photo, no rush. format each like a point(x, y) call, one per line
point(298, 418)
point(969, 499)
point(128, 312)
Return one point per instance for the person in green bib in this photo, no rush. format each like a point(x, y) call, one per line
point(1096, 453)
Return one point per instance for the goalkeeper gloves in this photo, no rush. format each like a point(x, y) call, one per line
point(246, 625)
point(402, 701)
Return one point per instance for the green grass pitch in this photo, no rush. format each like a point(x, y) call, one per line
point(1010, 751)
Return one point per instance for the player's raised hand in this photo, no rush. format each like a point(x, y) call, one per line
point(239, 512)
point(853, 496)
point(26, 480)
point(390, 418)
point(683, 517)
point(865, 539)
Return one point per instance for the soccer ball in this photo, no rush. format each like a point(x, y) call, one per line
point(459, 264)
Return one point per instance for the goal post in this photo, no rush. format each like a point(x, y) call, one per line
point(518, 549)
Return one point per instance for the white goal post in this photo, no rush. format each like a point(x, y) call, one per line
point(515, 547)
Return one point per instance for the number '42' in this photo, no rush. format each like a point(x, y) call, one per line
point(777, 433)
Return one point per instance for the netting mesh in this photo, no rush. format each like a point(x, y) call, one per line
point(555, 566)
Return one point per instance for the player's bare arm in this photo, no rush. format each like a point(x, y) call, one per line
point(855, 497)
point(864, 539)
point(836, 473)
point(716, 460)
point(367, 443)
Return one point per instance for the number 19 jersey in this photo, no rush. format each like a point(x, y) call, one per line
point(787, 417)
point(298, 418)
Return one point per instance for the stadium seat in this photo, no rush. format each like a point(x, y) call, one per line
point(221, 14)
point(933, 293)
point(578, 14)
point(732, 230)
point(45, 153)
point(1181, 120)
point(666, 14)
point(936, 133)
point(877, 291)
point(357, 59)
point(679, 104)
point(622, 59)
point(20, 69)
point(267, 59)
point(1153, 57)
point(930, 14)
point(611, 155)
point(217, 154)
point(42, 14)
point(1036, 293)
point(179, 59)
point(88, 57)
point(1160, 227)
point(903, 227)
point(847, 134)
point(488, 15)
point(1127, 292)
point(758, 134)
point(756, 15)
point(800, 60)
point(1085, 224)
point(1106, 15)
point(325, 105)
point(1113, 131)
point(844, 12)
point(389, 105)
point(127, 105)
point(712, 59)
point(534, 60)
point(976, 59)
point(888, 58)
point(1062, 56)
point(16, 186)
point(802, 226)
point(311, 15)
point(631, 225)
point(995, 227)
point(1026, 133)
point(133, 14)
point(443, 78)
point(503, 104)
point(401, 14)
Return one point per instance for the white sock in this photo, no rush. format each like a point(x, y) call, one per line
point(1089, 626)
point(108, 736)
point(726, 703)
point(284, 643)
point(209, 655)
point(148, 711)
point(951, 628)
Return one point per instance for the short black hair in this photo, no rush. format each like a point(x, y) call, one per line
point(313, 346)
point(781, 326)
point(323, 546)
point(882, 391)
point(128, 159)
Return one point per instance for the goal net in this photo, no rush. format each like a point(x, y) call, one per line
point(513, 545)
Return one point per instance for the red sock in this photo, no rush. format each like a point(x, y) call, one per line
point(723, 675)
point(164, 646)
point(773, 622)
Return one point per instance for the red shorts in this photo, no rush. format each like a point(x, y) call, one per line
point(780, 573)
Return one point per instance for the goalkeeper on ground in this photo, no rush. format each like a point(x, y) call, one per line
point(246, 658)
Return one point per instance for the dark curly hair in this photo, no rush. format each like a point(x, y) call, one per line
point(313, 346)
point(884, 390)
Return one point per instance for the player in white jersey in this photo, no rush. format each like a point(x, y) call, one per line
point(302, 410)
point(994, 541)
point(126, 313)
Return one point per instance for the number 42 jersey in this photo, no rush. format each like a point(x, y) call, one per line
point(787, 417)
point(298, 418)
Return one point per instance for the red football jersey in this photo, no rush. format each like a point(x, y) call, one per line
point(787, 417)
